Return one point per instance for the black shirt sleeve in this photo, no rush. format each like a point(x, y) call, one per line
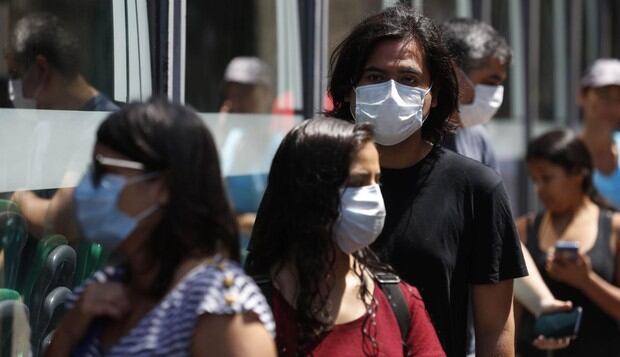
point(496, 250)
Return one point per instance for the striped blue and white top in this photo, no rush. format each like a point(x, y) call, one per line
point(218, 287)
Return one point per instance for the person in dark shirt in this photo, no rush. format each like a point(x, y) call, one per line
point(448, 222)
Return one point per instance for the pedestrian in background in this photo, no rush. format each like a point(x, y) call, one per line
point(599, 99)
point(561, 168)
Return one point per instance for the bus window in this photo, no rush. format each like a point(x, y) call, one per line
point(243, 73)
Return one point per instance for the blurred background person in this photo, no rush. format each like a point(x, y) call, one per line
point(247, 86)
point(44, 68)
point(599, 99)
point(561, 168)
point(482, 57)
point(154, 196)
point(321, 211)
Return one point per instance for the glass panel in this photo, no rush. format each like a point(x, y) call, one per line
point(243, 72)
point(65, 65)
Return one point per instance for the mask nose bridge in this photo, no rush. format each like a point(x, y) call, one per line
point(393, 92)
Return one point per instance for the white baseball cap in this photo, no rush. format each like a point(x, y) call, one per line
point(248, 70)
point(603, 72)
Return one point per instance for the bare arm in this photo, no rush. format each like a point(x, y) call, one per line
point(580, 275)
point(43, 215)
point(533, 293)
point(603, 294)
point(232, 335)
point(493, 319)
point(33, 209)
point(531, 290)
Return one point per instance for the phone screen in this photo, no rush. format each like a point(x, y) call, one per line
point(559, 324)
point(566, 250)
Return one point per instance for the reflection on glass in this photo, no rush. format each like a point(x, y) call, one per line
point(248, 86)
point(44, 68)
point(244, 73)
point(47, 65)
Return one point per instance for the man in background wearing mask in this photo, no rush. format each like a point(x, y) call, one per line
point(482, 57)
point(448, 229)
point(44, 69)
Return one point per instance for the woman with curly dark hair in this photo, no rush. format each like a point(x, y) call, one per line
point(321, 210)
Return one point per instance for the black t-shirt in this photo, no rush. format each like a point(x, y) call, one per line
point(448, 225)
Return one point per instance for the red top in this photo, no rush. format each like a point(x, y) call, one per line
point(346, 339)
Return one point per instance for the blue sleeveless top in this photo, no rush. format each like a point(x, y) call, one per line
point(609, 185)
point(216, 287)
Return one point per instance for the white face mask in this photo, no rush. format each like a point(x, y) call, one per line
point(395, 110)
point(362, 214)
point(16, 95)
point(487, 101)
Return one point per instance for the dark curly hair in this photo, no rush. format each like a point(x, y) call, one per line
point(396, 23)
point(198, 220)
point(296, 217)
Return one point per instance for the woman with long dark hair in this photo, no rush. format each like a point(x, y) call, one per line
point(321, 210)
point(561, 168)
point(154, 196)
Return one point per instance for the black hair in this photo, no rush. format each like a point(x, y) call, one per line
point(296, 217)
point(472, 42)
point(396, 23)
point(43, 34)
point(563, 148)
point(171, 139)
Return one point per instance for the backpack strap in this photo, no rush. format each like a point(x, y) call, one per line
point(264, 283)
point(390, 285)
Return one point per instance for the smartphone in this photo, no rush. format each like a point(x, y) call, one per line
point(566, 250)
point(559, 324)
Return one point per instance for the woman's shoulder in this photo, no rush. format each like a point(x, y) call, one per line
point(222, 288)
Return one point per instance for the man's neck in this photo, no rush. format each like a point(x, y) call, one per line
point(69, 94)
point(406, 153)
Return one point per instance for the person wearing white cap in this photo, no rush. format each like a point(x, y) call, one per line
point(599, 99)
point(247, 86)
